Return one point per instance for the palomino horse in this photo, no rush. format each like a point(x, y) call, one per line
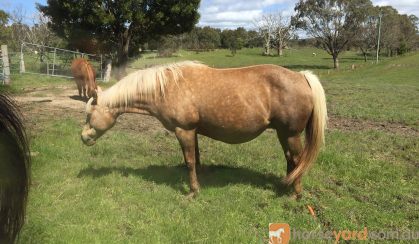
point(14, 170)
point(230, 105)
point(85, 77)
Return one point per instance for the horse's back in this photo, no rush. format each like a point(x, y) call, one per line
point(84, 75)
point(262, 87)
point(80, 67)
point(246, 101)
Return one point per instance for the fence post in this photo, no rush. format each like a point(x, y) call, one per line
point(6, 67)
point(108, 70)
point(53, 62)
point(101, 68)
point(22, 61)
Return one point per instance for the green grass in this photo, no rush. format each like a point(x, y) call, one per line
point(384, 92)
point(297, 59)
point(20, 83)
point(130, 187)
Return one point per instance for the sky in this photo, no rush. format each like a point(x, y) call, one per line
point(230, 14)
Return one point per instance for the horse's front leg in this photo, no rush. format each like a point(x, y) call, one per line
point(197, 156)
point(84, 89)
point(187, 140)
point(79, 88)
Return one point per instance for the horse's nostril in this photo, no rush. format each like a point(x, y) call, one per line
point(87, 140)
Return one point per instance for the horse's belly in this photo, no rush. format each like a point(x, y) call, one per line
point(231, 134)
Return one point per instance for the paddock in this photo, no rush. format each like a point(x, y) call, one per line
point(131, 186)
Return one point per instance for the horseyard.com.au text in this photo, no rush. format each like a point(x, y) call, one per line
point(282, 233)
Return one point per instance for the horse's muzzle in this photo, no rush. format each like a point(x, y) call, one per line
point(86, 136)
point(87, 140)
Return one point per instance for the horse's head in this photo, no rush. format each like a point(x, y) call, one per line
point(99, 120)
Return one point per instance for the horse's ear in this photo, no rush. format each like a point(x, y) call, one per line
point(92, 101)
point(97, 91)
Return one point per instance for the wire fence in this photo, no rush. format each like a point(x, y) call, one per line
point(45, 60)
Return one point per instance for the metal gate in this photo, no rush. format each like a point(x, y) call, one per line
point(53, 61)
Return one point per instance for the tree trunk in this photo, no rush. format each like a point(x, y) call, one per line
point(267, 51)
point(267, 45)
point(280, 48)
point(122, 55)
point(335, 61)
point(365, 57)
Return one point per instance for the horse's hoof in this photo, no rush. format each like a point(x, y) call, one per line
point(296, 196)
point(191, 195)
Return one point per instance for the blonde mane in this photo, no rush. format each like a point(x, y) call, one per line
point(148, 84)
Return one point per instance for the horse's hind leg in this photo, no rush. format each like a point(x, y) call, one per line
point(197, 156)
point(292, 148)
point(187, 140)
point(84, 89)
point(79, 88)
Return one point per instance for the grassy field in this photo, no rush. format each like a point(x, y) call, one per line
point(130, 187)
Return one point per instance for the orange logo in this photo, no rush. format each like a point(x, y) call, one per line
point(279, 233)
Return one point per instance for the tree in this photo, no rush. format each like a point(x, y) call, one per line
point(332, 22)
point(168, 45)
point(232, 39)
point(276, 30)
point(390, 31)
point(109, 25)
point(4, 32)
point(408, 30)
point(266, 27)
point(398, 31)
point(202, 38)
point(38, 32)
point(209, 38)
point(283, 31)
point(366, 39)
point(253, 39)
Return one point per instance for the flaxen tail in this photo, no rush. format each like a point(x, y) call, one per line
point(314, 129)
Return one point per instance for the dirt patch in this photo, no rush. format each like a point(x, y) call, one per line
point(43, 104)
point(348, 124)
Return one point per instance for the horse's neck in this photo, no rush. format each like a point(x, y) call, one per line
point(139, 107)
point(140, 104)
point(133, 110)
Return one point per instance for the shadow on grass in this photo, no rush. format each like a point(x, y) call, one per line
point(298, 66)
point(78, 98)
point(357, 58)
point(208, 175)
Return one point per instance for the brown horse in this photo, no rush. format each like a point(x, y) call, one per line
point(230, 105)
point(85, 77)
point(15, 165)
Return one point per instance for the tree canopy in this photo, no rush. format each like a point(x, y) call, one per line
point(398, 32)
point(110, 26)
point(4, 18)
